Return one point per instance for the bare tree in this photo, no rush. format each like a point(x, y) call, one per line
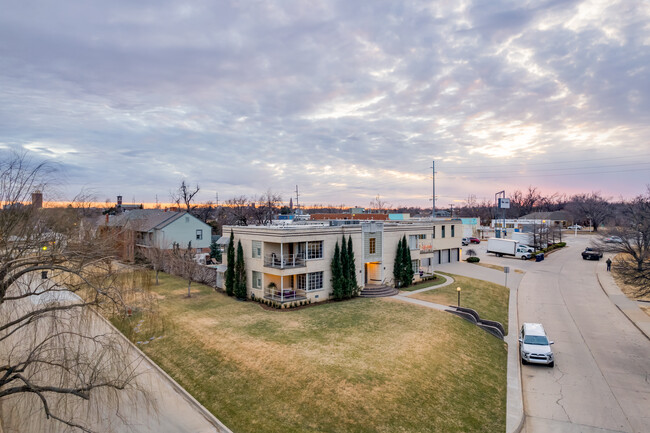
point(378, 205)
point(590, 207)
point(157, 257)
point(631, 239)
point(238, 210)
point(185, 195)
point(45, 352)
point(205, 211)
point(266, 207)
point(185, 265)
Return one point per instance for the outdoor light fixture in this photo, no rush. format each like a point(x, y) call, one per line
point(458, 290)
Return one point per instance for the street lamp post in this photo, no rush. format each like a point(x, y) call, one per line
point(458, 290)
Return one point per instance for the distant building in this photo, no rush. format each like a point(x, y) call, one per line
point(349, 216)
point(147, 228)
point(37, 199)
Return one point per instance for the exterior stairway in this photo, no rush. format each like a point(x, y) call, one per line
point(377, 291)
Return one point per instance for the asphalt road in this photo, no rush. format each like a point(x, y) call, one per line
point(601, 378)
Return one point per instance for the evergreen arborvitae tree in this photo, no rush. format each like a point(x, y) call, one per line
point(407, 267)
point(240, 273)
point(337, 274)
point(215, 252)
point(351, 272)
point(397, 265)
point(230, 270)
point(344, 266)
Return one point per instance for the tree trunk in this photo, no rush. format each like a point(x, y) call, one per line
point(157, 271)
point(189, 284)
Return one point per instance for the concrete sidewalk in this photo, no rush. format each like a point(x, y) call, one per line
point(627, 306)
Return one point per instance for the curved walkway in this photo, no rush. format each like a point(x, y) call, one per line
point(404, 295)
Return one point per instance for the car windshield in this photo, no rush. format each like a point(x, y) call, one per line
point(538, 340)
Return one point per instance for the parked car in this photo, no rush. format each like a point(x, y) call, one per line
point(527, 248)
point(613, 240)
point(592, 254)
point(575, 227)
point(534, 345)
point(473, 240)
point(464, 241)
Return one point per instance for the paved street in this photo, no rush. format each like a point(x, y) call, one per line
point(600, 382)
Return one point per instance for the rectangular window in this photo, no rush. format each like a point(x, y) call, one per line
point(257, 249)
point(415, 266)
point(443, 231)
point(433, 233)
point(257, 280)
point(315, 250)
point(302, 281)
point(199, 234)
point(315, 281)
point(453, 231)
point(372, 249)
point(413, 242)
point(187, 219)
point(424, 236)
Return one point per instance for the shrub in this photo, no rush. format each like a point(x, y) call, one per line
point(473, 260)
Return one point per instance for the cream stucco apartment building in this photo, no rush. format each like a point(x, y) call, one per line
point(292, 261)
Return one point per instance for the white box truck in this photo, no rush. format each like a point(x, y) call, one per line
point(507, 247)
point(524, 239)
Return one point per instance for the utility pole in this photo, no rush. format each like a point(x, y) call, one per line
point(217, 199)
point(452, 210)
point(433, 197)
point(297, 201)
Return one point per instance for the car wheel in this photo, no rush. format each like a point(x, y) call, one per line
point(524, 362)
point(552, 364)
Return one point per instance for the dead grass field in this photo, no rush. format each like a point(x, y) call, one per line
point(497, 267)
point(627, 289)
point(365, 365)
point(488, 299)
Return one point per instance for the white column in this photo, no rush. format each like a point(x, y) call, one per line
point(281, 255)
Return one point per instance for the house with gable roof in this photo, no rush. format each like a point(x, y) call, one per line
point(146, 228)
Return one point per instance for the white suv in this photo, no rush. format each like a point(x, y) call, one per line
point(534, 346)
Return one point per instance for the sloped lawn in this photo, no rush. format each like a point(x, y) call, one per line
point(488, 299)
point(365, 365)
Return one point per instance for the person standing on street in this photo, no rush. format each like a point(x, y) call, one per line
point(609, 264)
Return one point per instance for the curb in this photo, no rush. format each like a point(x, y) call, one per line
point(514, 411)
point(219, 426)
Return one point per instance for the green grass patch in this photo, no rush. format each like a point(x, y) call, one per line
point(365, 365)
point(423, 285)
point(488, 299)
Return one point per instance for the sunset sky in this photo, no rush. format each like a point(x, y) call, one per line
point(346, 99)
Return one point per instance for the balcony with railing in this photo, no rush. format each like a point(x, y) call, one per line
point(285, 261)
point(285, 294)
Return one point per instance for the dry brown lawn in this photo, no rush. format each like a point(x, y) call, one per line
point(364, 365)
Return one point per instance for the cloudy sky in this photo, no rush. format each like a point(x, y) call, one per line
point(346, 99)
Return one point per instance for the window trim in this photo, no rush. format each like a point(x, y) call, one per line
point(255, 280)
point(319, 254)
point(199, 234)
point(372, 246)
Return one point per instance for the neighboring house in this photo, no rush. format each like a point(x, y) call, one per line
point(294, 260)
point(146, 228)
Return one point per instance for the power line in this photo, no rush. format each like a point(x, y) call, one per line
point(505, 176)
point(562, 168)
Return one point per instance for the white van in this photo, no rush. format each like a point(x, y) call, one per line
point(534, 346)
